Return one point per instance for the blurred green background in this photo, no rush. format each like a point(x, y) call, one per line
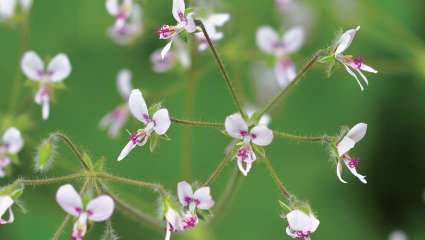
point(391, 40)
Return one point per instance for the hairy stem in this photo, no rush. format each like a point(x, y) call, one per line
point(276, 179)
point(46, 181)
point(219, 169)
point(292, 137)
point(223, 71)
point(297, 78)
point(197, 123)
point(70, 145)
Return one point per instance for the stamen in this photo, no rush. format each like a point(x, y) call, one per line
point(166, 31)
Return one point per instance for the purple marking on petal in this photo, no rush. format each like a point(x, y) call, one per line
point(79, 210)
point(89, 212)
point(358, 62)
point(302, 235)
point(243, 133)
point(182, 17)
point(166, 31)
point(352, 163)
point(188, 200)
point(190, 222)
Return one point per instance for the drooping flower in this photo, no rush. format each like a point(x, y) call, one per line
point(57, 70)
point(115, 120)
point(201, 198)
point(211, 23)
point(259, 135)
point(158, 124)
point(353, 136)
point(132, 28)
point(352, 64)
point(269, 42)
point(185, 22)
point(6, 203)
point(12, 142)
point(301, 225)
point(97, 210)
point(121, 10)
point(176, 222)
point(8, 7)
point(178, 54)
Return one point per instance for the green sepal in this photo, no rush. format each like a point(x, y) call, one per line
point(14, 190)
point(45, 155)
point(259, 151)
point(203, 214)
point(153, 142)
point(154, 108)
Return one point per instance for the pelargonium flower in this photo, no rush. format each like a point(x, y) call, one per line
point(259, 135)
point(185, 22)
point(176, 222)
point(178, 54)
point(211, 23)
point(97, 210)
point(57, 70)
point(269, 42)
point(115, 120)
point(353, 136)
point(11, 144)
point(301, 225)
point(352, 64)
point(6, 203)
point(201, 198)
point(8, 7)
point(158, 124)
point(131, 29)
point(121, 10)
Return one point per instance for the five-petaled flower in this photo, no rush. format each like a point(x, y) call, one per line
point(345, 145)
point(6, 203)
point(179, 53)
point(176, 222)
point(352, 63)
point(131, 29)
point(11, 144)
point(97, 210)
point(269, 42)
point(8, 7)
point(259, 135)
point(211, 23)
point(185, 22)
point(201, 198)
point(121, 10)
point(57, 70)
point(116, 119)
point(301, 225)
point(158, 124)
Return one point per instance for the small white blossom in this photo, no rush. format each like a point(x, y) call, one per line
point(211, 23)
point(11, 143)
point(345, 145)
point(201, 198)
point(97, 210)
point(301, 225)
point(57, 70)
point(121, 10)
point(352, 64)
point(6, 203)
point(132, 28)
point(178, 54)
point(176, 222)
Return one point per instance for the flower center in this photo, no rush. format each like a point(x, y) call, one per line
point(352, 163)
point(166, 31)
point(358, 62)
point(245, 153)
point(190, 222)
point(302, 235)
point(136, 138)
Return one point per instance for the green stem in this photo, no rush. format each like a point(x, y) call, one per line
point(46, 181)
point(276, 179)
point(197, 123)
point(223, 71)
point(297, 78)
point(70, 145)
point(217, 171)
point(297, 138)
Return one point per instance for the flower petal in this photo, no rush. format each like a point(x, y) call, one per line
point(7, 8)
point(112, 6)
point(137, 106)
point(357, 132)
point(339, 171)
point(184, 190)
point(162, 121)
point(267, 38)
point(126, 150)
point(69, 200)
point(314, 223)
point(235, 125)
point(299, 221)
point(59, 68)
point(45, 109)
point(244, 170)
point(345, 145)
point(178, 10)
point(124, 83)
point(261, 135)
point(26, 4)
point(159, 64)
point(345, 40)
point(354, 75)
point(218, 19)
point(203, 195)
point(367, 68)
point(353, 171)
point(190, 26)
point(100, 208)
point(13, 139)
point(6, 203)
point(32, 66)
point(166, 49)
point(285, 72)
point(293, 39)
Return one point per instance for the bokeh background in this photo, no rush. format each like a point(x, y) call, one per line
point(392, 40)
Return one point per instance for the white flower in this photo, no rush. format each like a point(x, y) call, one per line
point(121, 10)
point(116, 119)
point(132, 28)
point(259, 135)
point(12, 142)
point(301, 225)
point(159, 123)
point(269, 42)
point(352, 63)
point(8, 7)
point(6, 203)
point(184, 23)
point(57, 70)
point(176, 222)
point(97, 210)
point(345, 145)
point(397, 235)
point(200, 199)
point(179, 53)
point(211, 23)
